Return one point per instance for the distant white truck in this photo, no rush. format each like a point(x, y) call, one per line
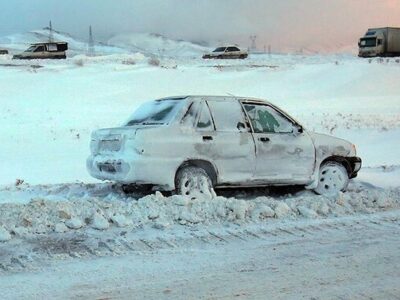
point(380, 42)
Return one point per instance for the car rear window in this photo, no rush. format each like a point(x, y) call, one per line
point(156, 112)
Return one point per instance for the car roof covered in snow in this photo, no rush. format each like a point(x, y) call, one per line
point(215, 97)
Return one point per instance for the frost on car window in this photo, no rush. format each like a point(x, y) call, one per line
point(52, 47)
point(156, 112)
point(31, 48)
point(265, 119)
point(205, 121)
point(227, 115)
point(190, 116)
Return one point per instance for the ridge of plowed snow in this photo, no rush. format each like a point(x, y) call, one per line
point(80, 207)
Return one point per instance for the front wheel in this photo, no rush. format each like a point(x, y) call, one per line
point(193, 181)
point(333, 178)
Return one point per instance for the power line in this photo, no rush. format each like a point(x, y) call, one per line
point(91, 42)
point(253, 42)
point(51, 38)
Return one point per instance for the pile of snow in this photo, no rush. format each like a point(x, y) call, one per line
point(156, 44)
point(83, 210)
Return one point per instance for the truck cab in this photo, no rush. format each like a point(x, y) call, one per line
point(372, 44)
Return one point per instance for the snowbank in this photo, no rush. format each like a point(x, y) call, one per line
point(77, 207)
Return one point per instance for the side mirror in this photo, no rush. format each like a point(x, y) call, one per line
point(240, 126)
point(298, 129)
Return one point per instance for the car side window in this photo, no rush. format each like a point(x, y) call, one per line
point(190, 116)
point(205, 121)
point(232, 49)
point(265, 119)
point(228, 116)
point(39, 49)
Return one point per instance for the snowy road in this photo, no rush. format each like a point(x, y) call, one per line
point(354, 257)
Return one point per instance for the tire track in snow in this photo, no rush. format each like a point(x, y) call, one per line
point(26, 255)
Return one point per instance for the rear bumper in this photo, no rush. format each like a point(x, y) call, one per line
point(135, 170)
point(355, 165)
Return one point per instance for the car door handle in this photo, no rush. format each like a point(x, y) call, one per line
point(264, 139)
point(207, 138)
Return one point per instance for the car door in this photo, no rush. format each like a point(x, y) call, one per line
point(38, 52)
point(284, 152)
point(230, 146)
point(233, 52)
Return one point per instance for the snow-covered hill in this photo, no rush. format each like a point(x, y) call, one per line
point(21, 41)
point(156, 44)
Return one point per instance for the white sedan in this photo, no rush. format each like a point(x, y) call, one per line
point(194, 143)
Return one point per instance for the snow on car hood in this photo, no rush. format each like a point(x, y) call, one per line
point(330, 145)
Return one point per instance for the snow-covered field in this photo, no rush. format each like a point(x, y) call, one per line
point(51, 210)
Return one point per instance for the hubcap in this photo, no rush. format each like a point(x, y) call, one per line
point(195, 185)
point(332, 179)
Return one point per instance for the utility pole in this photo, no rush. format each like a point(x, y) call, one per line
point(50, 32)
point(253, 46)
point(91, 42)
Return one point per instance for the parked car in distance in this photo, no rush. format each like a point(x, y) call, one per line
point(193, 143)
point(226, 52)
point(51, 50)
point(3, 51)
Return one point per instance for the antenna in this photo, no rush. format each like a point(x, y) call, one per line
point(50, 32)
point(91, 42)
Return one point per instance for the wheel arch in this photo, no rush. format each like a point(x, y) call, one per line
point(206, 165)
point(341, 160)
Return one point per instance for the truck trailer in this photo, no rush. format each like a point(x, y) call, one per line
point(380, 42)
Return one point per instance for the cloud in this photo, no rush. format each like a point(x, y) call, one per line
point(284, 23)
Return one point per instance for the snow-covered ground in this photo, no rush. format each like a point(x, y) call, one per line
point(51, 210)
point(48, 112)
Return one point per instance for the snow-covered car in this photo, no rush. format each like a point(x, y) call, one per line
point(226, 52)
point(194, 143)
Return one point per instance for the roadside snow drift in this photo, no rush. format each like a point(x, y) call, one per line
point(84, 207)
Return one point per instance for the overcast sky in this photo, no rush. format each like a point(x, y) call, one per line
point(281, 23)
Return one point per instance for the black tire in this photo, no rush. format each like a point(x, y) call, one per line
point(136, 189)
point(192, 181)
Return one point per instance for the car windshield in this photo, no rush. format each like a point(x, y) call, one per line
point(368, 42)
point(156, 112)
point(31, 49)
point(220, 49)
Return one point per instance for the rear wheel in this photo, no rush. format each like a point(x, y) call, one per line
point(333, 178)
point(193, 181)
